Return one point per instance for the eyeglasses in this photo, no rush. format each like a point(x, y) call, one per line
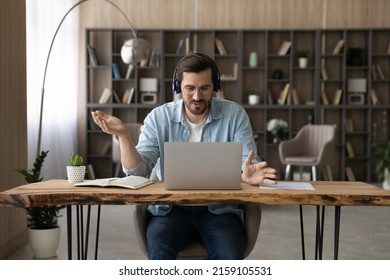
point(204, 90)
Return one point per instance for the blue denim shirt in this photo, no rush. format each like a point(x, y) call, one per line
point(226, 122)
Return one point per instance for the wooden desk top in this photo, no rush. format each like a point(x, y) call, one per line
point(60, 192)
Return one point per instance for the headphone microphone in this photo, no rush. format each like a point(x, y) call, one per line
point(176, 89)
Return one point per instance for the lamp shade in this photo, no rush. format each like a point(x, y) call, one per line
point(135, 50)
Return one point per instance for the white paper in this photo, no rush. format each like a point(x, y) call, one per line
point(291, 185)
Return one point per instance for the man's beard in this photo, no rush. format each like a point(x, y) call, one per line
point(201, 106)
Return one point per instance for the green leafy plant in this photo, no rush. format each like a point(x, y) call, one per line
point(381, 157)
point(75, 160)
point(253, 91)
point(303, 53)
point(44, 217)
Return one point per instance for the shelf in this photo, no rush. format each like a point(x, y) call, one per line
point(239, 44)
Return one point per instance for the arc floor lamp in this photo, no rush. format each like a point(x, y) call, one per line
point(133, 51)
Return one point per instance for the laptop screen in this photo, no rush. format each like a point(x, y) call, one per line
point(202, 165)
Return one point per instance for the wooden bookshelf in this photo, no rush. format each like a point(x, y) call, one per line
point(327, 72)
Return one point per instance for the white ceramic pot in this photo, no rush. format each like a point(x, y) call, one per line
point(302, 61)
point(76, 174)
point(253, 99)
point(44, 242)
point(386, 181)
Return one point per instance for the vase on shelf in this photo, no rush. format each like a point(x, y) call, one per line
point(276, 139)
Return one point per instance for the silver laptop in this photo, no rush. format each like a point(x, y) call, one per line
point(202, 165)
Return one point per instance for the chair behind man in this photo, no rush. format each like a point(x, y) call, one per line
point(196, 250)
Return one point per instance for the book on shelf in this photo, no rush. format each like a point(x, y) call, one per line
point(106, 148)
point(349, 149)
point(129, 182)
point(144, 62)
point(187, 45)
point(294, 97)
point(324, 97)
point(180, 47)
point(90, 172)
point(380, 72)
point(284, 93)
point(105, 96)
point(130, 71)
point(338, 46)
point(220, 46)
point(128, 96)
point(92, 55)
point(348, 125)
point(269, 98)
point(374, 97)
point(154, 60)
point(231, 77)
point(337, 96)
point(116, 97)
point(349, 174)
point(284, 48)
point(115, 71)
point(324, 73)
point(374, 74)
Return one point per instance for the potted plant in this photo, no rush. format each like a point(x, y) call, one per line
point(381, 157)
point(303, 57)
point(44, 232)
point(277, 127)
point(75, 169)
point(253, 96)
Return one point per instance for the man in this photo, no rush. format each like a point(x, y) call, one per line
point(198, 116)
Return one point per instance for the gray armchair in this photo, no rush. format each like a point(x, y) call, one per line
point(312, 146)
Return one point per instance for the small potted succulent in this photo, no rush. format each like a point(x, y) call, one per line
point(303, 57)
point(75, 169)
point(253, 96)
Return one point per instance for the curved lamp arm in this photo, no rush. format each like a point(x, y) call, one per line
point(133, 51)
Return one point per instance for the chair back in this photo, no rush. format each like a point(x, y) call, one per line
point(314, 138)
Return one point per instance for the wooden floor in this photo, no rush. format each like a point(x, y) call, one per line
point(365, 234)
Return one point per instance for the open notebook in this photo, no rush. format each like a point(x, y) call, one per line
point(202, 165)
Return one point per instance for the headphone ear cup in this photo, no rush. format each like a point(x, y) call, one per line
point(217, 86)
point(176, 86)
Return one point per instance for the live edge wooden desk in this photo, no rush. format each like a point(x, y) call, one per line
point(326, 193)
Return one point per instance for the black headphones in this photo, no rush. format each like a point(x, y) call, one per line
point(176, 83)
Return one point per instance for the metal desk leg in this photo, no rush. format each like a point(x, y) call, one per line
point(97, 232)
point(82, 238)
point(337, 219)
point(302, 232)
point(69, 229)
point(320, 219)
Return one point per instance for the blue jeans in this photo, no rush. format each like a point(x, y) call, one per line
point(223, 235)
